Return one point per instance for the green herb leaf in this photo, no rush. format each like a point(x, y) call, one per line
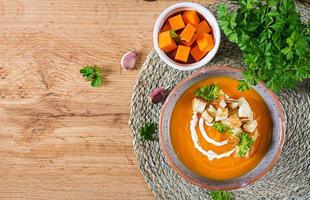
point(222, 128)
point(245, 144)
point(147, 131)
point(92, 74)
point(243, 85)
point(208, 93)
point(220, 195)
point(96, 82)
point(274, 42)
point(175, 36)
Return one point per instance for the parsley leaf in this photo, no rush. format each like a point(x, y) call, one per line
point(244, 145)
point(243, 85)
point(175, 36)
point(274, 42)
point(92, 74)
point(222, 128)
point(147, 131)
point(220, 195)
point(209, 93)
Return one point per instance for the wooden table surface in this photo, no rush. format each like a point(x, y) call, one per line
point(59, 137)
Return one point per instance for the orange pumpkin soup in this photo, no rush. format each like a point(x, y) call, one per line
point(229, 166)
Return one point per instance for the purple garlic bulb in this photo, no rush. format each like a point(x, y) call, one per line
point(158, 95)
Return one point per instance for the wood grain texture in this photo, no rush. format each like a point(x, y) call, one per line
point(59, 137)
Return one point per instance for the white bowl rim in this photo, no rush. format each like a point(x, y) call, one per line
point(206, 13)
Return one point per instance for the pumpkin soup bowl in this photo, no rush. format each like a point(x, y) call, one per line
point(268, 159)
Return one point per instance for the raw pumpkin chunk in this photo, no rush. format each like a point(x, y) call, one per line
point(205, 42)
point(188, 32)
point(203, 27)
point(166, 27)
point(195, 36)
point(182, 53)
point(176, 22)
point(197, 54)
point(191, 17)
point(165, 41)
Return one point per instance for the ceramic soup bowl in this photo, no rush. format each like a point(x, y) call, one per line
point(267, 162)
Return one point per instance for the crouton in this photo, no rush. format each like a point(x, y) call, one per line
point(207, 117)
point(198, 105)
point(226, 123)
point(236, 131)
point(233, 105)
point(211, 110)
point(221, 114)
point(244, 109)
point(223, 103)
point(232, 112)
point(234, 121)
point(229, 99)
point(250, 126)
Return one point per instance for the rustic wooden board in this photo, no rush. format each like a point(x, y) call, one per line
point(59, 137)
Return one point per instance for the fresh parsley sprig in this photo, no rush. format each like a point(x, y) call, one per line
point(274, 42)
point(208, 93)
point(220, 195)
point(245, 144)
point(147, 131)
point(222, 128)
point(92, 74)
point(175, 36)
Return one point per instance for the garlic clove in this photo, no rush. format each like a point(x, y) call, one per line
point(128, 61)
point(158, 95)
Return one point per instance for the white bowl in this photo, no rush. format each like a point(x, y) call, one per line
point(205, 13)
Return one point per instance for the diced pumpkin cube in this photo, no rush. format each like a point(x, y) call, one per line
point(188, 32)
point(176, 22)
point(191, 17)
point(166, 42)
point(205, 42)
point(203, 27)
point(182, 53)
point(166, 27)
point(195, 36)
point(197, 54)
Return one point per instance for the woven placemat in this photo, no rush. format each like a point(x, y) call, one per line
point(289, 179)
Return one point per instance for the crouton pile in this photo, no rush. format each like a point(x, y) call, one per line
point(228, 115)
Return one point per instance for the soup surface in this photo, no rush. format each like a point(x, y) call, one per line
point(227, 167)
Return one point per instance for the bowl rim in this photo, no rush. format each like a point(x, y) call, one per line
point(208, 16)
point(169, 159)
